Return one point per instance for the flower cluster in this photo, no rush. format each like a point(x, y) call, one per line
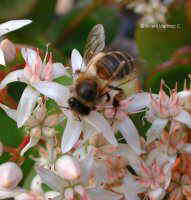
point(152, 11)
point(89, 161)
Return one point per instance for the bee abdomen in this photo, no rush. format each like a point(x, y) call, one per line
point(110, 62)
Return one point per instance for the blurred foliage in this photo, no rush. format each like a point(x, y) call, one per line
point(17, 9)
point(156, 46)
point(68, 31)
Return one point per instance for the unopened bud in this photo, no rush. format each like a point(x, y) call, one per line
point(68, 168)
point(10, 175)
point(69, 194)
point(9, 50)
point(1, 148)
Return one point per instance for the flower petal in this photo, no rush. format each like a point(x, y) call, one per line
point(58, 70)
point(155, 131)
point(53, 90)
point(12, 77)
point(26, 105)
point(185, 118)
point(132, 188)
point(29, 56)
point(12, 26)
point(139, 101)
point(71, 134)
point(4, 194)
point(98, 193)
point(86, 166)
point(100, 171)
point(12, 113)
point(2, 57)
point(76, 60)
point(130, 133)
point(51, 179)
point(101, 124)
point(158, 194)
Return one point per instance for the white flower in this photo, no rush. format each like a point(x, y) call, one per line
point(134, 104)
point(153, 11)
point(38, 76)
point(94, 122)
point(80, 186)
point(6, 28)
point(163, 109)
point(153, 175)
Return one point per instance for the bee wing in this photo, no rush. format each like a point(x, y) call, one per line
point(95, 42)
point(12, 26)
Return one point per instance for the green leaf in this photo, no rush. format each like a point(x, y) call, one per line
point(15, 90)
point(10, 135)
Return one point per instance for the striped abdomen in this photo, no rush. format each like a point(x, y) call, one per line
point(110, 65)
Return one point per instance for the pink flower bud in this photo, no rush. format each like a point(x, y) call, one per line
point(68, 168)
point(1, 148)
point(69, 194)
point(9, 50)
point(10, 175)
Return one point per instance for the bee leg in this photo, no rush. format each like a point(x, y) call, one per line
point(120, 95)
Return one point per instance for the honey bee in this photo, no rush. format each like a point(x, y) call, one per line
point(101, 69)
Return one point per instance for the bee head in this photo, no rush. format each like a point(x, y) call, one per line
point(87, 90)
